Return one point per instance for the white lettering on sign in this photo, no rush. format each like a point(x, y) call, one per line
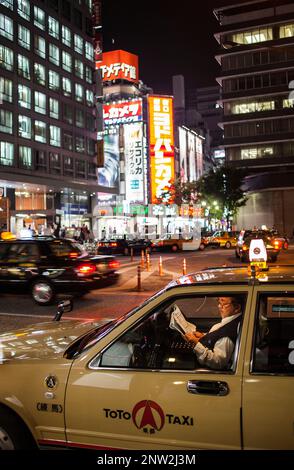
point(129, 71)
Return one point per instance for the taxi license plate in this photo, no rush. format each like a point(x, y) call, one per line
point(259, 264)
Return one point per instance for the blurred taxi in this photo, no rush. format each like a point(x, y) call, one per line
point(168, 243)
point(224, 239)
point(134, 383)
point(272, 246)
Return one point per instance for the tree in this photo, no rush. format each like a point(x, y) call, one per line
point(178, 193)
point(223, 185)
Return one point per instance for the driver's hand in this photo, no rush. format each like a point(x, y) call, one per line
point(193, 337)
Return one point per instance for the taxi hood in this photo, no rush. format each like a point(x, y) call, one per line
point(43, 340)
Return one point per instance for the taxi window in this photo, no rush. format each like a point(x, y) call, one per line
point(273, 350)
point(23, 252)
point(155, 342)
point(63, 248)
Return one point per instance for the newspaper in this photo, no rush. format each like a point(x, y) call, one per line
point(178, 322)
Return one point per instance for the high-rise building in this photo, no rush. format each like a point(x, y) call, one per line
point(256, 55)
point(47, 113)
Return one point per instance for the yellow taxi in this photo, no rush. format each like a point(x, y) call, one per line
point(135, 383)
point(174, 244)
point(223, 239)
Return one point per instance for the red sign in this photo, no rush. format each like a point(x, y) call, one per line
point(122, 113)
point(119, 65)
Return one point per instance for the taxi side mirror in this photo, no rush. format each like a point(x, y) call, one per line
point(64, 306)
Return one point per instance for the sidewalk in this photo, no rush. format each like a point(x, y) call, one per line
point(150, 280)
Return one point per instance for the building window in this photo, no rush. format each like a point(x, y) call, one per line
point(6, 58)
point(243, 108)
point(89, 49)
point(65, 9)
point(39, 18)
point(55, 162)
point(54, 136)
point(78, 44)
point(90, 122)
point(92, 171)
point(79, 92)
point(287, 30)
point(54, 108)
point(80, 118)
point(89, 97)
point(54, 54)
point(54, 80)
point(6, 121)
point(256, 152)
point(23, 9)
point(25, 156)
point(53, 27)
point(24, 37)
point(6, 153)
point(67, 141)
point(24, 127)
point(40, 46)
point(41, 161)
point(91, 146)
point(66, 86)
point(40, 74)
point(67, 113)
point(68, 166)
point(7, 4)
point(289, 103)
point(80, 144)
point(24, 96)
point(5, 90)
point(6, 27)
point(80, 169)
point(66, 61)
point(79, 68)
point(40, 132)
point(66, 36)
point(78, 19)
point(40, 102)
point(89, 74)
point(23, 66)
point(253, 36)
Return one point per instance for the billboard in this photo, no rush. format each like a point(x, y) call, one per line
point(161, 143)
point(191, 155)
point(134, 162)
point(108, 176)
point(119, 65)
point(122, 112)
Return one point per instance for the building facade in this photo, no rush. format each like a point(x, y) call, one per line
point(256, 55)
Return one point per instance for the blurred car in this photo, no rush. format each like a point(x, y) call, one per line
point(282, 240)
point(123, 246)
point(272, 246)
point(45, 266)
point(176, 244)
point(134, 383)
point(223, 239)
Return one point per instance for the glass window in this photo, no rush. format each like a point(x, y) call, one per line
point(55, 136)
point(7, 4)
point(25, 156)
point(91, 145)
point(23, 9)
point(54, 108)
point(24, 37)
point(66, 36)
point(24, 96)
point(40, 46)
point(80, 144)
point(23, 66)
point(287, 30)
point(53, 27)
point(253, 36)
point(6, 58)
point(68, 166)
point(6, 27)
point(41, 161)
point(89, 74)
point(80, 168)
point(66, 86)
point(24, 127)
point(79, 92)
point(66, 61)
point(78, 44)
point(40, 132)
point(40, 74)
point(5, 121)
point(67, 113)
point(6, 153)
point(289, 103)
point(55, 162)
point(54, 80)
point(5, 90)
point(89, 51)
point(80, 118)
point(89, 97)
point(54, 54)
point(39, 18)
point(40, 102)
point(67, 141)
point(79, 68)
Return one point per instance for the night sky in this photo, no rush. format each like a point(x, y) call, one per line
point(168, 39)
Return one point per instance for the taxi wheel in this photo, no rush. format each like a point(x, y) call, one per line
point(43, 292)
point(201, 247)
point(228, 245)
point(13, 433)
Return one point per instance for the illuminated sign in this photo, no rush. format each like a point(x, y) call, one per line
point(109, 175)
point(161, 143)
point(119, 65)
point(134, 162)
point(122, 113)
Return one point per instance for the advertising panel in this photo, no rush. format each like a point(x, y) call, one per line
point(109, 175)
point(119, 65)
point(134, 162)
point(183, 155)
point(161, 143)
point(192, 156)
point(122, 113)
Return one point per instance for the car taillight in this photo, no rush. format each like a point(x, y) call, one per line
point(244, 248)
point(86, 269)
point(114, 264)
point(73, 254)
point(113, 244)
point(277, 244)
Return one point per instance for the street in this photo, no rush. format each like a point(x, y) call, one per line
point(18, 311)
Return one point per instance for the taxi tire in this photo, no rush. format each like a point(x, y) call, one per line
point(50, 288)
point(228, 245)
point(15, 429)
point(201, 247)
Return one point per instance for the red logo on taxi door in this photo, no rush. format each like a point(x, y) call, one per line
point(148, 415)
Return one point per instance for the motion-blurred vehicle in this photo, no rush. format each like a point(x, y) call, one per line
point(135, 383)
point(283, 241)
point(272, 246)
point(176, 244)
point(123, 246)
point(46, 266)
point(224, 239)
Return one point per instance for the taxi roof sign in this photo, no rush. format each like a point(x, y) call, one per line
point(257, 250)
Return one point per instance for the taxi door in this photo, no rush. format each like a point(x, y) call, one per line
point(123, 408)
point(268, 388)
